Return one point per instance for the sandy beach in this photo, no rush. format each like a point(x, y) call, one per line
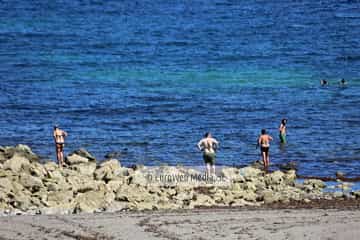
point(195, 224)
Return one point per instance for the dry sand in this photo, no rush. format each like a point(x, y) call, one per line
point(212, 224)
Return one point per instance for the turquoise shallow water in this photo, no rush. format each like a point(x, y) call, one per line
point(149, 78)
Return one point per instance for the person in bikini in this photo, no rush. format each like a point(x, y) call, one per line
point(282, 131)
point(59, 138)
point(208, 146)
point(264, 143)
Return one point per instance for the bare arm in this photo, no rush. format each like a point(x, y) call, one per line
point(199, 145)
point(216, 143)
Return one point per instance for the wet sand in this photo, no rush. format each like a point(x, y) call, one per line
point(272, 222)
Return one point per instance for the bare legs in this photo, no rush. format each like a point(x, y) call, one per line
point(210, 169)
point(266, 159)
point(60, 154)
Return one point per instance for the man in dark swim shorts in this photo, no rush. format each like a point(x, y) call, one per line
point(208, 146)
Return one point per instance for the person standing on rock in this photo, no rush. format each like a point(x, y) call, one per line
point(59, 138)
point(264, 143)
point(208, 146)
point(282, 131)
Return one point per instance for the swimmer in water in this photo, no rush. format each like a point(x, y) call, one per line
point(282, 131)
point(342, 82)
point(324, 82)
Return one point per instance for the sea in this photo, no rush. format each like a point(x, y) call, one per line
point(148, 78)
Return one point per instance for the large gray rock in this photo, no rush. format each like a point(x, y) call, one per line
point(83, 184)
point(30, 182)
point(202, 200)
point(6, 185)
point(59, 198)
point(108, 170)
point(16, 163)
point(75, 159)
point(139, 178)
point(21, 201)
point(133, 194)
point(232, 174)
point(51, 166)
point(86, 169)
point(250, 173)
point(114, 185)
point(275, 178)
point(83, 153)
point(290, 177)
point(315, 183)
point(269, 196)
point(93, 201)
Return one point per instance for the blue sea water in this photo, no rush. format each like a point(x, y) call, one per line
point(149, 78)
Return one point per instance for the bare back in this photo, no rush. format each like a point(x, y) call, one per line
point(208, 144)
point(264, 140)
point(59, 136)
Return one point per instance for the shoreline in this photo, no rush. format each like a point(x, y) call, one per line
point(86, 186)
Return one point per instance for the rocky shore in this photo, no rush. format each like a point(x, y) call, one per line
point(28, 186)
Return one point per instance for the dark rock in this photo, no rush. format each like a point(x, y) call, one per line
point(288, 166)
point(339, 175)
point(113, 155)
point(83, 153)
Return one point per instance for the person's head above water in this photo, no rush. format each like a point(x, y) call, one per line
point(323, 82)
point(208, 134)
point(284, 121)
point(343, 81)
point(56, 126)
point(263, 131)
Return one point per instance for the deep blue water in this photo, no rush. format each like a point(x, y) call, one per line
point(149, 78)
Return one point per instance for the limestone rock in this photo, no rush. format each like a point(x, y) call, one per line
point(232, 174)
point(250, 173)
point(269, 197)
point(274, 178)
point(16, 163)
point(133, 194)
point(290, 177)
point(30, 182)
point(86, 169)
point(59, 198)
point(108, 170)
point(75, 159)
point(315, 183)
point(83, 184)
point(92, 201)
point(139, 178)
point(202, 200)
point(6, 185)
point(84, 153)
point(51, 166)
point(114, 185)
